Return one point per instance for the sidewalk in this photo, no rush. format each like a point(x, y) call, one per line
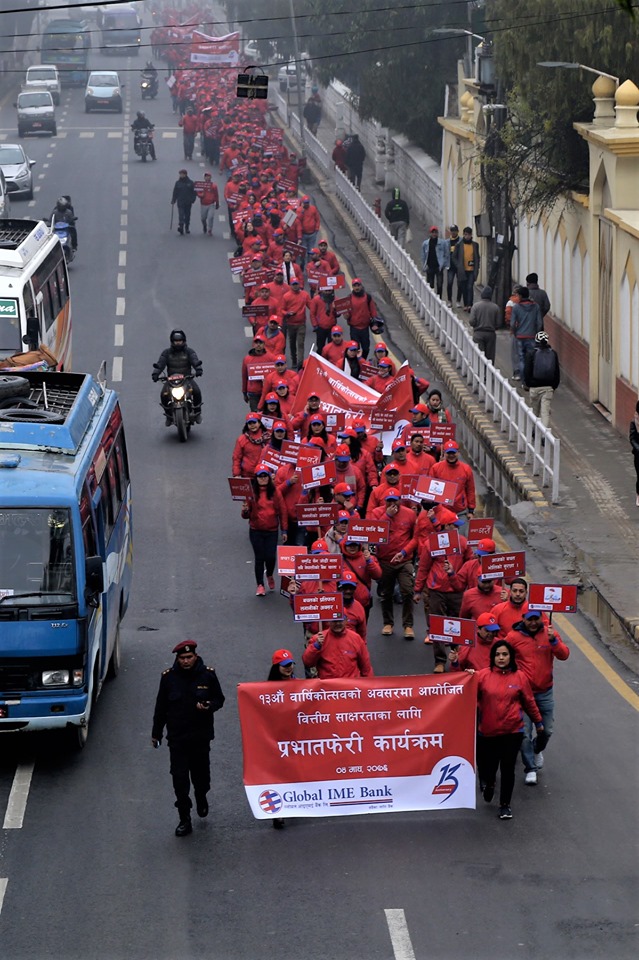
point(592, 535)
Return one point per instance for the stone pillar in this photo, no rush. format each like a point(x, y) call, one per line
point(389, 164)
point(626, 105)
point(604, 96)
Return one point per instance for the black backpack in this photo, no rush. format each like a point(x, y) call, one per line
point(544, 366)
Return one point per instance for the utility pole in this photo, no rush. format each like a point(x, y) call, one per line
point(298, 77)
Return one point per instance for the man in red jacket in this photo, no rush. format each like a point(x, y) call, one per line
point(452, 468)
point(396, 560)
point(252, 389)
point(335, 350)
point(419, 461)
point(329, 257)
point(190, 125)
point(295, 305)
point(510, 611)
point(209, 203)
point(537, 646)
point(309, 218)
point(316, 271)
point(480, 599)
point(360, 316)
point(380, 380)
point(337, 652)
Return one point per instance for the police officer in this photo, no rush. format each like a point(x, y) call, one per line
point(179, 358)
point(189, 695)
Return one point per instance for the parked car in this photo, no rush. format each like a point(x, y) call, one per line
point(44, 75)
point(16, 167)
point(36, 112)
point(104, 91)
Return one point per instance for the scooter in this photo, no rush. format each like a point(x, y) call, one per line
point(180, 410)
point(61, 230)
point(149, 86)
point(142, 143)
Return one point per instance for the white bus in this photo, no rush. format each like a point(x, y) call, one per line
point(35, 299)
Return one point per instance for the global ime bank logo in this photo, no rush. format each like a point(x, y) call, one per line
point(270, 801)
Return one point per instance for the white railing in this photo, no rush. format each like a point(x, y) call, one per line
point(537, 443)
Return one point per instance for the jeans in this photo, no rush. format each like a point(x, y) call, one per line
point(296, 334)
point(540, 401)
point(404, 575)
point(363, 337)
point(184, 215)
point(486, 340)
point(435, 276)
point(524, 346)
point(264, 543)
point(546, 703)
point(321, 338)
point(398, 230)
point(189, 143)
point(451, 273)
point(309, 240)
point(207, 213)
point(499, 753)
point(513, 355)
point(467, 285)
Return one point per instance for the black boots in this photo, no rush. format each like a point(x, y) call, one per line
point(184, 827)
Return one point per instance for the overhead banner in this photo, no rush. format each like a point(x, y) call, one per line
point(205, 49)
point(332, 748)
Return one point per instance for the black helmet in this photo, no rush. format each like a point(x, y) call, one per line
point(62, 203)
point(140, 115)
point(178, 338)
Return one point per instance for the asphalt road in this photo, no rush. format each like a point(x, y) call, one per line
point(95, 870)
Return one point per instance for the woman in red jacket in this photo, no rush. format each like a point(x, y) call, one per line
point(265, 513)
point(503, 695)
point(248, 446)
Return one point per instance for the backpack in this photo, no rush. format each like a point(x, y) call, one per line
point(544, 366)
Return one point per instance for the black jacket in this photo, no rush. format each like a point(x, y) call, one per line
point(397, 211)
point(175, 707)
point(184, 191)
point(179, 361)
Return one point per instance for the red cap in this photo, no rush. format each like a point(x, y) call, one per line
point(384, 362)
point(258, 339)
point(392, 494)
point(391, 466)
point(323, 241)
point(433, 228)
point(275, 319)
point(485, 546)
point(356, 280)
point(252, 416)
point(344, 488)
point(343, 514)
point(319, 546)
point(446, 516)
point(419, 408)
point(398, 444)
point(271, 398)
point(317, 418)
point(306, 199)
point(262, 468)
point(488, 621)
point(279, 425)
point(343, 451)
point(380, 345)
point(185, 646)
point(281, 383)
point(283, 658)
point(450, 445)
point(352, 345)
point(336, 329)
point(347, 577)
point(280, 358)
point(315, 442)
point(314, 250)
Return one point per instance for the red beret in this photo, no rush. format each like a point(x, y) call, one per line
point(186, 646)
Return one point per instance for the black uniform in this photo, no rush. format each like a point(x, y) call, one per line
point(184, 361)
point(189, 730)
point(184, 195)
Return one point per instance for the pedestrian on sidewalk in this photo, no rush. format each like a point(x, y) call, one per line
point(634, 441)
point(209, 203)
point(362, 316)
point(188, 696)
point(541, 376)
point(526, 323)
point(453, 241)
point(184, 195)
point(537, 294)
point(313, 111)
point(484, 317)
point(398, 216)
point(435, 259)
point(338, 156)
point(514, 298)
point(355, 156)
point(467, 260)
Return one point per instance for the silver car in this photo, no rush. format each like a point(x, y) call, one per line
point(16, 167)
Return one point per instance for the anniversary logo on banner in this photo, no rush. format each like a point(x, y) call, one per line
point(332, 748)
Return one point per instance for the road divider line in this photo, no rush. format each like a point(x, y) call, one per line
point(18, 797)
point(124, 220)
point(248, 331)
point(118, 340)
point(116, 370)
point(124, 204)
point(122, 258)
point(125, 190)
point(400, 937)
point(120, 306)
point(123, 238)
point(3, 889)
point(121, 281)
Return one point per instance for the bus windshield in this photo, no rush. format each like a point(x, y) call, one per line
point(36, 556)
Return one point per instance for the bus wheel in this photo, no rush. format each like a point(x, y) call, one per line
point(181, 424)
point(116, 657)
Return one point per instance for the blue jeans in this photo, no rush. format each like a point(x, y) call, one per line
point(524, 346)
point(546, 703)
point(309, 240)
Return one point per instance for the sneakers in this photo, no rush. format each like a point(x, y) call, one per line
point(515, 376)
point(409, 633)
point(531, 778)
point(387, 629)
point(260, 592)
point(488, 792)
point(539, 761)
point(505, 813)
point(184, 827)
point(271, 583)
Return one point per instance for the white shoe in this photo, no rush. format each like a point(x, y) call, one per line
point(531, 778)
point(539, 761)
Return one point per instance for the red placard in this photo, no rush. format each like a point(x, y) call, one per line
point(508, 565)
point(270, 456)
point(289, 451)
point(318, 606)
point(368, 531)
point(411, 431)
point(441, 432)
point(255, 310)
point(444, 543)
point(308, 455)
point(439, 491)
point(383, 419)
point(478, 529)
point(557, 598)
point(318, 475)
point(319, 566)
point(258, 369)
point(367, 369)
point(452, 630)
point(238, 264)
point(343, 305)
point(286, 559)
point(241, 488)
point(335, 422)
point(297, 249)
point(316, 514)
point(332, 282)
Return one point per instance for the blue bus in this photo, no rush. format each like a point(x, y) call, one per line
point(66, 44)
point(65, 548)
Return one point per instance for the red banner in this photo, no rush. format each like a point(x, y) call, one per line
point(318, 475)
point(556, 598)
point(286, 559)
point(255, 310)
point(444, 544)
point(479, 528)
point(319, 566)
point(337, 390)
point(241, 488)
point(508, 565)
point(223, 50)
point(441, 432)
point(439, 491)
point(317, 607)
point(395, 402)
point(322, 748)
point(452, 630)
point(408, 487)
point(316, 514)
point(368, 531)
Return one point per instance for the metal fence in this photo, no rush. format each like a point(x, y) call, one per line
point(499, 398)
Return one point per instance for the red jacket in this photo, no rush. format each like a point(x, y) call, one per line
point(475, 601)
point(332, 261)
point(367, 465)
point(266, 513)
point(431, 571)
point(190, 123)
point(355, 619)
point(315, 270)
point(474, 658)
point(334, 352)
point(503, 698)
point(251, 386)
point(467, 576)
point(278, 290)
point(362, 312)
point(507, 615)
point(378, 383)
point(536, 655)
point(354, 477)
point(272, 378)
point(366, 571)
point(461, 474)
point(309, 218)
point(342, 656)
point(420, 464)
point(294, 306)
point(323, 315)
point(401, 534)
point(274, 345)
point(247, 453)
point(292, 493)
point(208, 194)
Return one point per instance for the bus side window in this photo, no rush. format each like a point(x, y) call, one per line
point(106, 504)
point(29, 306)
point(88, 536)
point(47, 310)
point(54, 293)
point(122, 466)
point(63, 283)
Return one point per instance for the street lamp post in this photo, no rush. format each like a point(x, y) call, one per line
point(566, 65)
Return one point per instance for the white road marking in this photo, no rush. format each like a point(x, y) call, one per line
point(44, 166)
point(169, 135)
point(121, 281)
point(230, 256)
point(222, 218)
point(236, 277)
point(125, 190)
point(61, 133)
point(122, 258)
point(3, 890)
point(31, 203)
point(124, 220)
point(114, 135)
point(37, 189)
point(49, 155)
point(241, 302)
point(116, 371)
point(400, 937)
point(124, 204)
point(119, 335)
point(248, 332)
point(3, 136)
point(18, 797)
point(226, 234)
point(41, 176)
point(120, 306)
point(125, 176)
point(123, 238)
point(87, 134)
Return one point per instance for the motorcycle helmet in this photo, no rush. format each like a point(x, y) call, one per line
point(62, 203)
point(178, 339)
point(140, 115)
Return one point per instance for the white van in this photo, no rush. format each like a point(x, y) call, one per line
point(44, 76)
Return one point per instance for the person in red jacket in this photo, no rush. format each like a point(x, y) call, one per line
point(278, 289)
point(252, 389)
point(467, 575)
point(476, 657)
point(481, 598)
point(379, 381)
point(353, 610)
point(420, 462)
point(364, 566)
point(323, 317)
point(337, 652)
point(400, 457)
point(389, 481)
point(190, 124)
point(338, 156)
point(329, 257)
point(335, 350)
point(537, 646)
point(452, 468)
point(294, 306)
point(279, 373)
point(503, 695)
point(274, 339)
point(511, 611)
point(381, 351)
point(348, 472)
point(299, 421)
point(361, 315)
point(288, 481)
point(309, 218)
point(316, 271)
point(266, 514)
point(247, 452)
point(396, 560)
point(209, 203)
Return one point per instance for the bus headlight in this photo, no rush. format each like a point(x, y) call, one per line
point(55, 678)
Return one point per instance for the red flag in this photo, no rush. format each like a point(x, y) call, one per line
point(395, 402)
point(336, 389)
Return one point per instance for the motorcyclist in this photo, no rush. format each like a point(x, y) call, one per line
point(179, 358)
point(63, 212)
point(142, 122)
point(150, 73)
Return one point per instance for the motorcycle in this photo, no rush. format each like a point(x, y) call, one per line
point(149, 86)
point(142, 143)
point(61, 230)
point(180, 409)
